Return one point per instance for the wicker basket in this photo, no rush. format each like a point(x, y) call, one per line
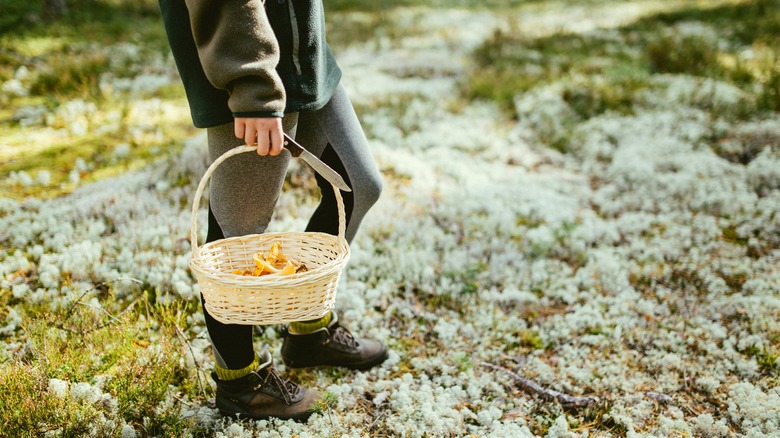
point(270, 299)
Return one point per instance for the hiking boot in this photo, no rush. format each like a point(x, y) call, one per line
point(331, 346)
point(262, 394)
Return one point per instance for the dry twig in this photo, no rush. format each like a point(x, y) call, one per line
point(567, 401)
point(187, 343)
point(112, 319)
point(659, 397)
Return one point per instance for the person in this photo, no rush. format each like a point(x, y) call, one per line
point(252, 70)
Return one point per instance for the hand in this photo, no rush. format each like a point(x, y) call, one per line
point(265, 132)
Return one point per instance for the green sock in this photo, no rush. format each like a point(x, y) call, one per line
point(304, 327)
point(228, 374)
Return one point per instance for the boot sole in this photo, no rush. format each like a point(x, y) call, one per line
point(229, 409)
point(359, 366)
point(302, 417)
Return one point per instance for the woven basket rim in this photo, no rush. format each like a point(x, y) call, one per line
point(204, 267)
point(198, 266)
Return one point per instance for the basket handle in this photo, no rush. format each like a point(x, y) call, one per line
point(202, 186)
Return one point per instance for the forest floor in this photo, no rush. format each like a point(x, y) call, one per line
point(579, 233)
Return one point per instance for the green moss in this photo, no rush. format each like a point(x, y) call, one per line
point(469, 278)
point(609, 72)
point(530, 339)
point(499, 84)
point(17, 13)
point(612, 93)
point(59, 161)
point(731, 235)
point(104, 16)
point(746, 22)
point(394, 107)
point(768, 359)
point(135, 350)
point(143, 381)
point(64, 65)
point(509, 64)
point(376, 5)
point(95, 148)
point(28, 410)
point(688, 54)
point(72, 74)
point(769, 96)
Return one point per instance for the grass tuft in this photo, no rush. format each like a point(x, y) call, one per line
point(689, 54)
point(135, 361)
point(72, 74)
point(27, 409)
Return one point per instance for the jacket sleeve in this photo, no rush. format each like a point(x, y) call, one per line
point(239, 53)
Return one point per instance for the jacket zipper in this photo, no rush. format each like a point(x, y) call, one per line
point(296, 39)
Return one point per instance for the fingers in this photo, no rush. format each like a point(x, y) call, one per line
point(250, 134)
point(276, 137)
point(246, 130)
point(263, 142)
point(265, 132)
point(239, 127)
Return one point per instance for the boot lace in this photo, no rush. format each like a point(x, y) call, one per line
point(343, 336)
point(285, 387)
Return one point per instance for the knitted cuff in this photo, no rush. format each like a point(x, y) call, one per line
point(228, 374)
point(305, 327)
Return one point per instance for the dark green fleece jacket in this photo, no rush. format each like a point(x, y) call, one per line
point(250, 58)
